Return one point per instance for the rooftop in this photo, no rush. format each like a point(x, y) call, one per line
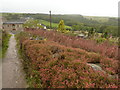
point(13, 22)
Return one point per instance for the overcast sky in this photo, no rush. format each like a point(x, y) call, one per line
point(83, 7)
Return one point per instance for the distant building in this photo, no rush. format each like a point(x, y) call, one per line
point(44, 27)
point(8, 26)
point(81, 35)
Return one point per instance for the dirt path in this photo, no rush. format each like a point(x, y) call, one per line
point(0, 74)
point(12, 73)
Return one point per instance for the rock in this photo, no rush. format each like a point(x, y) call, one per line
point(114, 76)
point(56, 55)
point(96, 67)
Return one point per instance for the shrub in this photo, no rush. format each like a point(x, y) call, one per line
point(100, 40)
point(104, 48)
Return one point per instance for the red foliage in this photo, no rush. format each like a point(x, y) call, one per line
point(59, 66)
point(104, 49)
point(53, 65)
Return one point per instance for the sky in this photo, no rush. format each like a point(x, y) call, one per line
point(83, 7)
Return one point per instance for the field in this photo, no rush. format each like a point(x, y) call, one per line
point(99, 19)
point(56, 60)
point(54, 25)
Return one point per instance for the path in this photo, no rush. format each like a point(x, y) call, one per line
point(0, 74)
point(12, 73)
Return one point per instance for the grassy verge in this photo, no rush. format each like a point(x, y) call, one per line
point(5, 41)
point(0, 52)
point(25, 60)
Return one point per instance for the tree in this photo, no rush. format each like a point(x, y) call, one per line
point(32, 24)
point(61, 26)
point(102, 28)
point(105, 35)
point(75, 27)
point(91, 32)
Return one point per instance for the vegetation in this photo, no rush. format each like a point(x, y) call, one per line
point(51, 65)
point(97, 18)
point(0, 43)
point(32, 24)
point(5, 40)
point(61, 26)
point(100, 40)
point(54, 25)
point(105, 48)
point(53, 59)
point(91, 33)
point(77, 22)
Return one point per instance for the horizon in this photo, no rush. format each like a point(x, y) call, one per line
point(55, 14)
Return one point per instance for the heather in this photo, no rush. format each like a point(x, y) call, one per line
point(49, 64)
point(105, 48)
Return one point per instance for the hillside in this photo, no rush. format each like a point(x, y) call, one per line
point(75, 18)
point(99, 19)
point(76, 22)
point(55, 61)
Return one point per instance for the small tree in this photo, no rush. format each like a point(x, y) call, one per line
point(105, 35)
point(61, 26)
point(91, 32)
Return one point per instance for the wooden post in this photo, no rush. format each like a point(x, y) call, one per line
point(50, 20)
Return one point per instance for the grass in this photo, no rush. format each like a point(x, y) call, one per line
point(54, 25)
point(5, 41)
point(25, 59)
point(0, 52)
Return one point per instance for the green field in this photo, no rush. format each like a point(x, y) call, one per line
point(99, 19)
point(54, 25)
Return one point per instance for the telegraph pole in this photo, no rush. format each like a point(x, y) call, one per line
point(50, 20)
